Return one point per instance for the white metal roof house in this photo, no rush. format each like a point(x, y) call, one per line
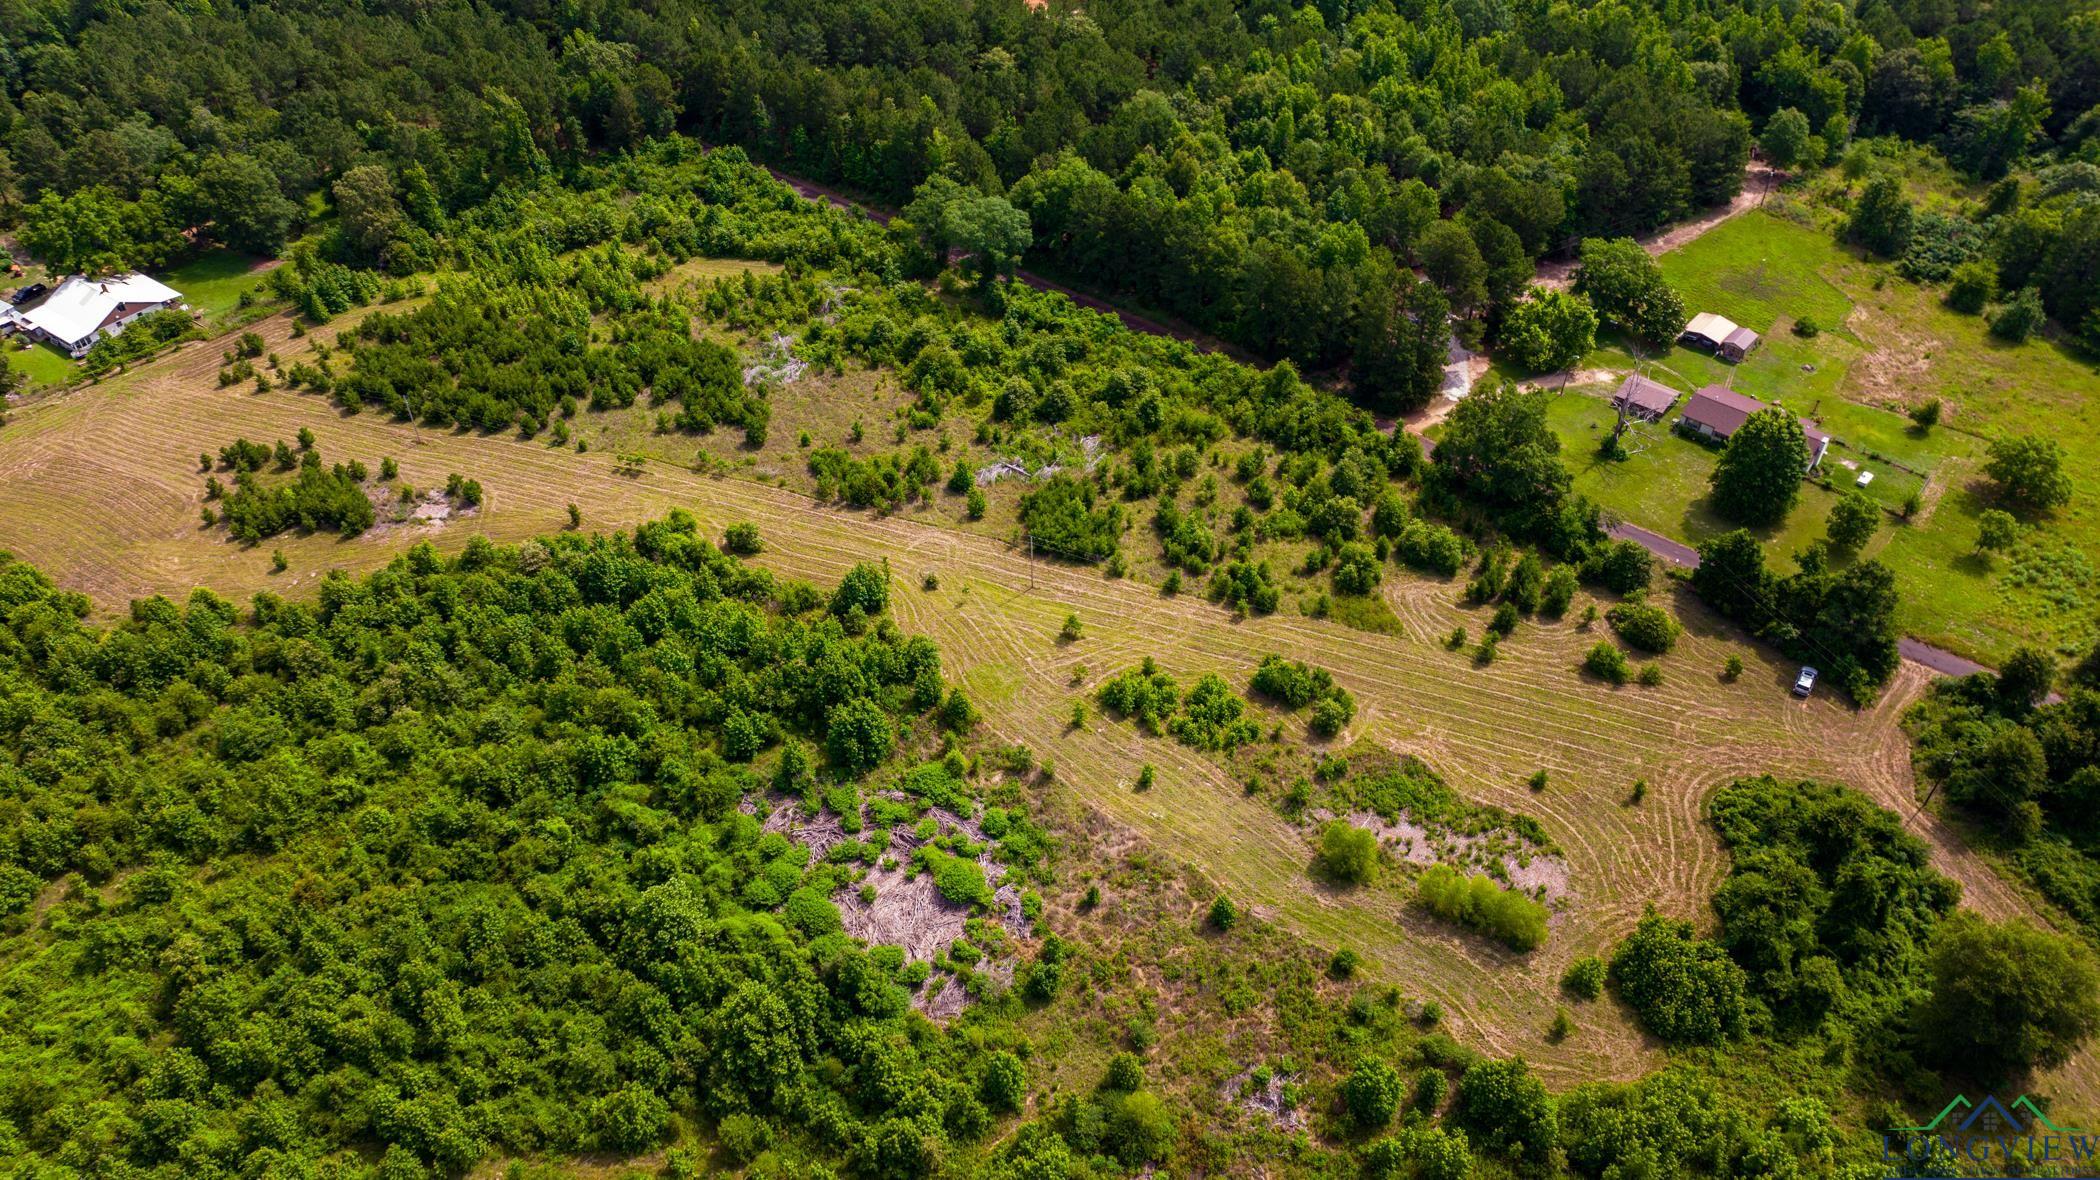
point(80, 311)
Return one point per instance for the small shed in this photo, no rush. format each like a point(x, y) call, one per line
point(1738, 344)
point(1717, 412)
point(1642, 398)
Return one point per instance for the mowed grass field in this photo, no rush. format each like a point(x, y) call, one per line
point(104, 494)
point(1885, 344)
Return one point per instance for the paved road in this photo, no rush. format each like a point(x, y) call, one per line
point(1674, 552)
point(1938, 659)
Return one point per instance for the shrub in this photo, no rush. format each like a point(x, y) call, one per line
point(1685, 989)
point(1975, 285)
point(743, 540)
point(1348, 853)
point(1807, 328)
point(1004, 1082)
point(1140, 1128)
point(1585, 977)
point(1651, 675)
point(630, 1119)
point(1431, 1088)
point(1643, 626)
point(1343, 964)
point(1606, 662)
point(1293, 684)
point(1621, 567)
point(1331, 714)
point(1246, 586)
point(1389, 515)
point(1527, 584)
point(1926, 414)
point(1371, 1093)
point(1062, 518)
point(744, 1137)
point(1509, 1109)
point(1732, 668)
point(1478, 903)
point(1431, 548)
point(1939, 245)
point(1558, 592)
point(959, 879)
point(1356, 569)
point(2020, 317)
point(1504, 620)
point(1125, 1073)
point(1223, 914)
point(866, 586)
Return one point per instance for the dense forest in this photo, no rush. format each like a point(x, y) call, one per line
point(1255, 169)
point(462, 856)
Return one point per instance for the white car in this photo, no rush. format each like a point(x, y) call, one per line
point(1806, 682)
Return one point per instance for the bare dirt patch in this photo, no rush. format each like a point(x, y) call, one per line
point(907, 909)
point(1537, 873)
point(1266, 1101)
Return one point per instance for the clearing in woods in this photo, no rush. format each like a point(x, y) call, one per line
point(104, 495)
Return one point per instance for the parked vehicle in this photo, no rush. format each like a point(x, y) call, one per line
point(1806, 682)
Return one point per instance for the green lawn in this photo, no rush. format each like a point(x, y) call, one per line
point(1886, 345)
point(1663, 486)
point(1760, 271)
point(45, 366)
point(213, 282)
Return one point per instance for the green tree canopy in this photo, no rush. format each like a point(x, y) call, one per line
point(2007, 996)
point(2029, 471)
point(1550, 330)
point(1758, 480)
point(1853, 520)
point(1628, 290)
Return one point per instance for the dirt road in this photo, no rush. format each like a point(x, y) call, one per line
point(1758, 180)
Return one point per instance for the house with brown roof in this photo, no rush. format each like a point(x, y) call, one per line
point(1718, 335)
point(1716, 412)
point(1642, 398)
